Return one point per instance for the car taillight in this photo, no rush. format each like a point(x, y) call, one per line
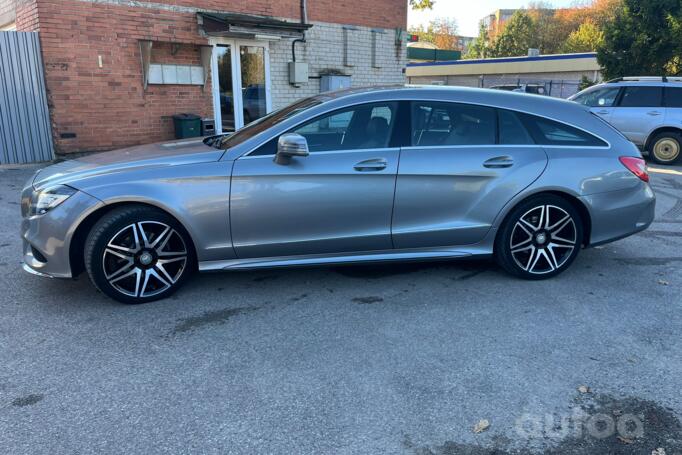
point(635, 165)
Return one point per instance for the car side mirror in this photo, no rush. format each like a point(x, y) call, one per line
point(289, 145)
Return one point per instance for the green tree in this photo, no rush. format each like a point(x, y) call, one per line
point(421, 4)
point(587, 38)
point(479, 48)
point(546, 28)
point(643, 38)
point(518, 35)
point(585, 82)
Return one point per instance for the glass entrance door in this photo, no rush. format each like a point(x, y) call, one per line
point(241, 93)
point(252, 64)
point(225, 88)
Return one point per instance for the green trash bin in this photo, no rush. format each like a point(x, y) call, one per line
point(187, 125)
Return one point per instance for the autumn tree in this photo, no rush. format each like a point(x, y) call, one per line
point(565, 30)
point(587, 38)
point(421, 4)
point(440, 32)
point(545, 27)
point(518, 35)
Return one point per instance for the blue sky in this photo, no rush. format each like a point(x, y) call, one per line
point(468, 13)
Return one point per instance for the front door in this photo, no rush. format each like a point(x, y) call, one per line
point(456, 176)
point(336, 200)
point(242, 92)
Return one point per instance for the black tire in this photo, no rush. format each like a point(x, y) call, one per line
point(138, 271)
point(548, 242)
point(666, 148)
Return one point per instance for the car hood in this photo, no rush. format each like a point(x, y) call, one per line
point(134, 158)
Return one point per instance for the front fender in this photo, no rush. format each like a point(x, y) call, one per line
point(197, 195)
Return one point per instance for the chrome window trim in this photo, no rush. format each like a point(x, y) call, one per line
point(410, 100)
point(536, 115)
point(288, 130)
point(329, 152)
point(421, 147)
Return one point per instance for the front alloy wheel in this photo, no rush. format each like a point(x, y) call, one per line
point(137, 254)
point(540, 238)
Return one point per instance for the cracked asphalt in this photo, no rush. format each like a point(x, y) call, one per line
point(377, 359)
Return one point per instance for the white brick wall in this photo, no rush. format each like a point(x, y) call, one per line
point(324, 51)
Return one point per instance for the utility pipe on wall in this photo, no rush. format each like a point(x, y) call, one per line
point(304, 20)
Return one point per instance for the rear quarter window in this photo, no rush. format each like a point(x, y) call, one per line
point(673, 97)
point(550, 132)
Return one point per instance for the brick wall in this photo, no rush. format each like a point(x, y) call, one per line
point(324, 53)
point(374, 13)
point(107, 108)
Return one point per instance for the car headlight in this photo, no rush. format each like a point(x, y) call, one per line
point(49, 198)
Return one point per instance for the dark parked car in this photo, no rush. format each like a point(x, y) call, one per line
point(537, 89)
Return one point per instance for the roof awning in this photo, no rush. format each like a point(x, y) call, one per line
point(249, 27)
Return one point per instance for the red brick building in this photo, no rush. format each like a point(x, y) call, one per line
point(117, 70)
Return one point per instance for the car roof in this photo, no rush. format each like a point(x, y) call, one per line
point(642, 84)
point(524, 102)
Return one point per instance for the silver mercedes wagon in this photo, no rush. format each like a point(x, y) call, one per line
point(358, 176)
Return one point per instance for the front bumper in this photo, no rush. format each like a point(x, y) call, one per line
point(47, 238)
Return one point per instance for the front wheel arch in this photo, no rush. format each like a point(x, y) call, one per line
point(77, 245)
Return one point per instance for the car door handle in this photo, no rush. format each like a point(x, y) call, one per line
point(654, 113)
point(602, 112)
point(499, 162)
point(376, 164)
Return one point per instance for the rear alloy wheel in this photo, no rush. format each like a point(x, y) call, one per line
point(137, 255)
point(540, 238)
point(666, 148)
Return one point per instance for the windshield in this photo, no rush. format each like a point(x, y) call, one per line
point(262, 124)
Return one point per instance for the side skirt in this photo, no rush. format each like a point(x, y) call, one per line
point(337, 259)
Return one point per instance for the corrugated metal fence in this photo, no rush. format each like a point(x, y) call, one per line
point(25, 135)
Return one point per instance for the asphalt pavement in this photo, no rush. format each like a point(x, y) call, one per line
point(434, 358)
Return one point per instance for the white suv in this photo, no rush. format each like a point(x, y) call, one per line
point(647, 110)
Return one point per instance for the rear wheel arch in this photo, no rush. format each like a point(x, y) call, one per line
point(579, 206)
point(80, 235)
point(664, 129)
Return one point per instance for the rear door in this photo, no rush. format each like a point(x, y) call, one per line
point(458, 173)
point(639, 112)
point(673, 106)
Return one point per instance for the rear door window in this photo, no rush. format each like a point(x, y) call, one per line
point(673, 97)
point(437, 123)
point(642, 97)
point(549, 132)
point(512, 130)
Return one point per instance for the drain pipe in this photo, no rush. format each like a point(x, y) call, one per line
point(304, 20)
